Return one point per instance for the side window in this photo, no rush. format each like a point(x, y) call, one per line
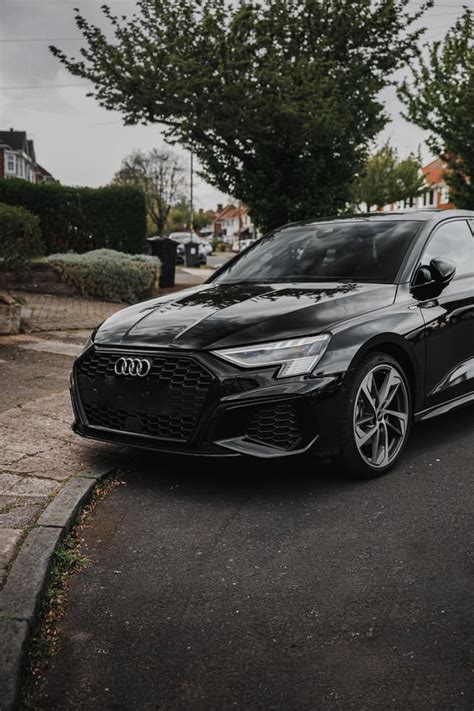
point(453, 241)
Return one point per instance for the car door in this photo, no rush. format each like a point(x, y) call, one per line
point(449, 318)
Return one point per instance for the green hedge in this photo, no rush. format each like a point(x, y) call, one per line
point(109, 275)
point(20, 239)
point(80, 219)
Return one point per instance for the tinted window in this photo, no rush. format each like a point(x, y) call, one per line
point(359, 251)
point(452, 241)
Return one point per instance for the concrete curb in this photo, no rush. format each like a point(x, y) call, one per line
point(21, 597)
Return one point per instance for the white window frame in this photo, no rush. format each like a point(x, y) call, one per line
point(11, 161)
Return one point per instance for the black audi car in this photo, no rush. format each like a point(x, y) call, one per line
point(328, 337)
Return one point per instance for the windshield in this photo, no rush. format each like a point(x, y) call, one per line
point(359, 251)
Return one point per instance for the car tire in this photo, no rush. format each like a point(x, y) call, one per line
point(377, 416)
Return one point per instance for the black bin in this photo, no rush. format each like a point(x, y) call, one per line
point(192, 254)
point(165, 250)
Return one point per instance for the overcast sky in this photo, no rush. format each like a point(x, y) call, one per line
point(76, 140)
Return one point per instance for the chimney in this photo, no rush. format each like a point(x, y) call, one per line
point(219, 207)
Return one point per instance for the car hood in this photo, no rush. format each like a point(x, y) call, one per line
point(225, 315)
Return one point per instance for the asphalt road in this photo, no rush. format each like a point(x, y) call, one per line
point(251, 586)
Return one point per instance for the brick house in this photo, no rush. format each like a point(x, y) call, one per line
point(18, 159)
point(436, 195)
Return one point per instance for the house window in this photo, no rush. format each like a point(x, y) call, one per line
point(431, 197)
point(444, 194)
point(11, 164)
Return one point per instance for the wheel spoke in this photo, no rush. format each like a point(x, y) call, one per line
point(389, 387)
point(365, 437)
point(398, 430)
point(402, 418)
point(375, 446)
point(367, 386)
point(363, 421)
point(385, 445)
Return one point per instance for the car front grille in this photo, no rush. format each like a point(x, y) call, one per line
point(275, 425)
point(166, 404)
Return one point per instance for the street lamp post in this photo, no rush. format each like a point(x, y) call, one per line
point(191, 195)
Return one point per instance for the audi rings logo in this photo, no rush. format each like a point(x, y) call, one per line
point(139, 367)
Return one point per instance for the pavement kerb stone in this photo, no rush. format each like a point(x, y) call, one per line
point(21, 596)
point(14, 636)
point(67, 502)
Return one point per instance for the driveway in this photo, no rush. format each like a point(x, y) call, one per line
point(271, 586)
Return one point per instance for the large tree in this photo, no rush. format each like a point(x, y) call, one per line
point(160, 175)
point(440, 99)
point(279, 99)
point(385, 179)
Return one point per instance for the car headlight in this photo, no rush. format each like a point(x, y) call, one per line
point(90, 339)
point(296, 356)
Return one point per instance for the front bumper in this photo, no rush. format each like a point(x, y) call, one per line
point(214, 409)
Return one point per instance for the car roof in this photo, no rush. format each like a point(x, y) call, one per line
point(422, 215)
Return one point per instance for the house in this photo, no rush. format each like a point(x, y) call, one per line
point(438, 192)
point(231, 221)
point(436, 195)
point(43, 175)
point(18, 159)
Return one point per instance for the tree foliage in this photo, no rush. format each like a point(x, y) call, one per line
point(20, 237)
point(277, 98)
point(385, 179)
point(80, 219)
point(179, 217)
point(160, 176)
point(440, 99)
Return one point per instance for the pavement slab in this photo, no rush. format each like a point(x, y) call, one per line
point(26, 486)
point(18, 511)
point(29, 375)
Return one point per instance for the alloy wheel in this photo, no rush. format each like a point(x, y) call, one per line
point(381, 412)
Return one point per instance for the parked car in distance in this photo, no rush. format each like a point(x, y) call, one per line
point(183, 238)
point(329, 337)
point(207, 247)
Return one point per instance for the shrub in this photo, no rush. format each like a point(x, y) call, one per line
point(107, 274)
point(81, 219)
point(19, 237)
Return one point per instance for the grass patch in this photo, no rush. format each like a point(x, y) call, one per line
point(68, 560)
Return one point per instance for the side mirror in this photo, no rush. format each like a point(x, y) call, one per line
point(442, 271)
point(431, 280)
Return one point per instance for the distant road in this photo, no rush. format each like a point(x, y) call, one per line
point(219, 258)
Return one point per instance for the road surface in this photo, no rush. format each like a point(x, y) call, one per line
point(274, 586)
